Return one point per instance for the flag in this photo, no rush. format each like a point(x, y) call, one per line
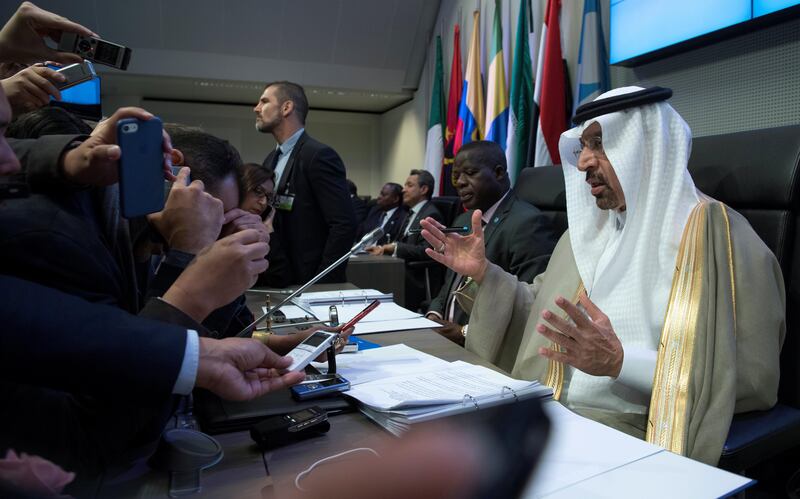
point(496, 93)
point(550, 89)
point(470, 112)
point(434, 146)
point(446, 187)
point(519, 118)
point(593, 78)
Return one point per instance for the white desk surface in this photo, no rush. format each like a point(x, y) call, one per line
point(587, 459)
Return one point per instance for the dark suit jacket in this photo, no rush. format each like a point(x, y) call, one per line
point(392, 227)
point(518, 238)
point(411, 248)
point(82, 384)
point(321, 225)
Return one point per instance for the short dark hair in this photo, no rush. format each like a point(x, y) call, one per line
point(210, 158)
point(47, 120)
point(485, 153)
point(252, 175)
point(396, 190)
point(424, 177)
point(287, 90)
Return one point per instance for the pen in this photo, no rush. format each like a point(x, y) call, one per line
point(360, 315)
point(447, 230)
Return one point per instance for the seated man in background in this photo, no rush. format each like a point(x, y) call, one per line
point(410, 246)
point(389, 213)
point(664, 342)
point(517, 236)
point(359, 205)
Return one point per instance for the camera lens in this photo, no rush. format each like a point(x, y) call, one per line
point(126, 128)
point(84, 45)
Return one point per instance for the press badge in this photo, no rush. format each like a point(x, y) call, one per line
point(285, 202)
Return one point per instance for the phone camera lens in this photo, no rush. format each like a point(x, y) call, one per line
point(126, 128)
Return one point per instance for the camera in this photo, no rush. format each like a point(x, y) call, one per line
point(96, 50)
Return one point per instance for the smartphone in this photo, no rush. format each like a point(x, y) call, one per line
point(311, 389)
point(310, 349)
point(141, 175)
point(280, 430)
point(75, 74)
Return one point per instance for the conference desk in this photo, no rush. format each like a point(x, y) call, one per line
point(247, 472)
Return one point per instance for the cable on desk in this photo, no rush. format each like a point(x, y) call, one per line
point(302, 474)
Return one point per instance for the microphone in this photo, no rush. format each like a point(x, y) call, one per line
point(369, 238)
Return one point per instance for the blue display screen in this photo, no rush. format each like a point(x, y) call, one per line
point(764, 7)
point(87, 92)
point(642, 26)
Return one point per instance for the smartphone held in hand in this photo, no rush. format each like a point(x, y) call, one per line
point(141, 174)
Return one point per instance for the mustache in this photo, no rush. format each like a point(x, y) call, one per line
point(595, 177)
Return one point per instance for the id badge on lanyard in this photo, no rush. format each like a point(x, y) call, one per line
point(285, 202)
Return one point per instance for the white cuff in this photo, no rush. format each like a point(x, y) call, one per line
point(638, 369)
point(191, 358)
point(434, 312)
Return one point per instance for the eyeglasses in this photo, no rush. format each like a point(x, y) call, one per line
point(594, 144)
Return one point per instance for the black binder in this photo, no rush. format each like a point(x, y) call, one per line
point(216, 415)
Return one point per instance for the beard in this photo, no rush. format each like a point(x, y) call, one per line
point(267, 126)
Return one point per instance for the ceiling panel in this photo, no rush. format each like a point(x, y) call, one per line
point(309, 30)
point(404, 30)
point(254, 28)
point(364, 31)
point(193, 25)
point(134, 24)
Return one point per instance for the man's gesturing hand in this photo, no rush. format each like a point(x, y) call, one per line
point(590, 342)
point(242, 368)
point(466, 255)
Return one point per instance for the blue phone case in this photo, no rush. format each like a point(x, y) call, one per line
point(141, 175)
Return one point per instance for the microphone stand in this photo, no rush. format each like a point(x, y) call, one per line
point(367, 239)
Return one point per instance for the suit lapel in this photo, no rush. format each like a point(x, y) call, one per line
point(497, 218)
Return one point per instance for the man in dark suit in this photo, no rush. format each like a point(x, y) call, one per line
point(315, 222)
point(517, 236)
point(410, 245)
point(389, 213)
point(359, 205)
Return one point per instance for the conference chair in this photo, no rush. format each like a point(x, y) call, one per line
point(757, 173)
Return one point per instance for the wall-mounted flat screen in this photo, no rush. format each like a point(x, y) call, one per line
point(764, 7)
point(643, 29)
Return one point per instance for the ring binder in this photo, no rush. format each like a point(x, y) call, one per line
point(470, 397)
point(503, 393)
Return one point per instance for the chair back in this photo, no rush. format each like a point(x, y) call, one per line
point(756, 173)
point(450, 206)
point(543, 187)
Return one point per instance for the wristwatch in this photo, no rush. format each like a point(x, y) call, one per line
point(464, 330)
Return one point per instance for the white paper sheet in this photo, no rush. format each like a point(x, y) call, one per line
point(447, 385)
point(384, 362)
point(388, 326)
point(332, 297)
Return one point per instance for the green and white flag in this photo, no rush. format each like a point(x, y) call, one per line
point(521, 100)
point(434, 146)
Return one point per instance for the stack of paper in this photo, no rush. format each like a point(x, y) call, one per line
point(388, 316)
point(397, 402)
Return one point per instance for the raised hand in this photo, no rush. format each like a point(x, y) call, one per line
point(22, 37)
point(31, 88)
point(237, 220)
point(219, 274)
point(590, 342)
point(465, 255)
point(96, 160)
point(191, 219)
